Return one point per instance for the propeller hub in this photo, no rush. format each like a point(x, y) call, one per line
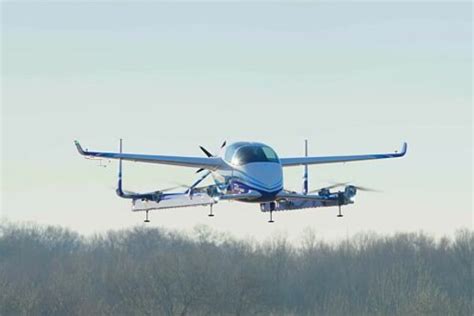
point(350, 191)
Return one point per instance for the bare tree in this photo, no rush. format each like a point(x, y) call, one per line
point(150, 271)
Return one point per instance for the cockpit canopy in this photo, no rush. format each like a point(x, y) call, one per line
point(239, 154)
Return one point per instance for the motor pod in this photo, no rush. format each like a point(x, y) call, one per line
point(350, 191)
point(213, 191)
point(324, 192)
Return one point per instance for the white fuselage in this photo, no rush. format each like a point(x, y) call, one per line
point(251, 167)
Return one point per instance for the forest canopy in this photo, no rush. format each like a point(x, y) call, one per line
point(48, 270)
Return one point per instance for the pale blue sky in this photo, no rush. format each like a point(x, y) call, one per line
point(350, 77)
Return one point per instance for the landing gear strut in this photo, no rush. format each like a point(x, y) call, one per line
point(340, 200)
point(146, 218)
point(272, 208)
point(210, 211)
point(271, 218)
point(339, 215)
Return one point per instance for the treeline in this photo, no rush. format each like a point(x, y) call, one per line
point(149, 271)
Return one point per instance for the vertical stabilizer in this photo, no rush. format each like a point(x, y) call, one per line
point(305, 175)
point(119, 184)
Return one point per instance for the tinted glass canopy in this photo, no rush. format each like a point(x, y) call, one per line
point(248, 153)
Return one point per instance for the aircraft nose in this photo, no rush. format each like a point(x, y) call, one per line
point(267, 175)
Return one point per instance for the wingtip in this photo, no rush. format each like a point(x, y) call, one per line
point(404, 148)
point(79, 147)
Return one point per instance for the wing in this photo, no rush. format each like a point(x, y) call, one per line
point(210, 163)
point(287, 162)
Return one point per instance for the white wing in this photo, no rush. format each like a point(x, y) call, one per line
point(211, 163)
point(296, 161)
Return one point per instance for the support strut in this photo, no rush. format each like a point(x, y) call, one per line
point(271, 217)
point(272, 208)
point(210, 211)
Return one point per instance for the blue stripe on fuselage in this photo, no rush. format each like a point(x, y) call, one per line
point(255, 182)
point(266, 195)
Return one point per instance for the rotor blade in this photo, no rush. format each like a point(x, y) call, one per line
point(129, 192)
point(200, 169)
point(195, 183)
point(204, 176)
point(339, 184)
point(159, 190)
point(172, 188)
point(366, 189)
point(335, 185)
point(208, 154)
point(124, 191)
